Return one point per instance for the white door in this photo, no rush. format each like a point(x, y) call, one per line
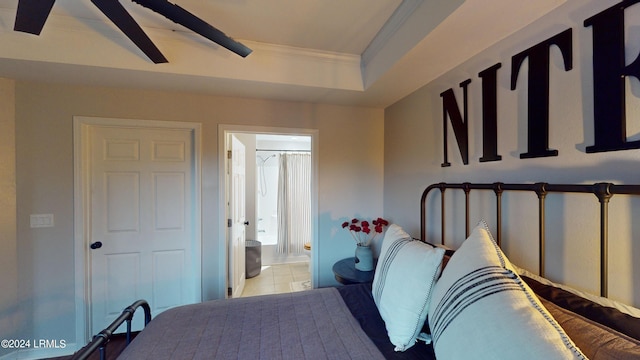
point(141, 221)
point(238, 219)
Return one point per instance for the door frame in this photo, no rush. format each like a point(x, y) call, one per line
point(81, 213)
point(223, 131)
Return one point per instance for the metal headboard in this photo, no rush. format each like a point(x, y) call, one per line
point(603, 191)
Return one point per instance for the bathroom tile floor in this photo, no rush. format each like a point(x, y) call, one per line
point(276, 279)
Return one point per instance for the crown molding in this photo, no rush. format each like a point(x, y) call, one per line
point(68, 40)
point(390, 28)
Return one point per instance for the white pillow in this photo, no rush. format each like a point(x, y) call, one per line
point(402, 284)
point(481, 309)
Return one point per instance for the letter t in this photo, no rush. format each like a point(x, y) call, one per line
point(538, 97)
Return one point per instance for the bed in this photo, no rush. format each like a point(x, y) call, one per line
point(426, 302)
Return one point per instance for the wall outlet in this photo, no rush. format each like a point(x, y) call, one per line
point(41, 220)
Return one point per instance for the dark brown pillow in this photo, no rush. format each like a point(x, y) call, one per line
point(607, 316)
point(596, 341)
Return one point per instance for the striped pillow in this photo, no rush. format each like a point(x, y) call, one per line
point(481, 309)
point(402, 284)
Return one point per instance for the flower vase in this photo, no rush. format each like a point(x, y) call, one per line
point(364, 258)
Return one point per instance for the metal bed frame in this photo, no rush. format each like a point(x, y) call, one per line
point(603, 191)
point(100, 340)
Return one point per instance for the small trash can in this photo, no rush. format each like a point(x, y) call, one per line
point(253, 258)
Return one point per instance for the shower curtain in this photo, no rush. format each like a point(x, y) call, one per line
point(294, 202)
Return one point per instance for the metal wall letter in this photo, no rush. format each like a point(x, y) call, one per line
point(459, 124)
point(538, 97)
point(609, 71)
point(490, 114)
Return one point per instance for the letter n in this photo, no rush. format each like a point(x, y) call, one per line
point(458, 122)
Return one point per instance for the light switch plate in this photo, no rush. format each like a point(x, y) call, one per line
point(41, 220)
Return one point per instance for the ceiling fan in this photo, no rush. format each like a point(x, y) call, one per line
point(32, 14)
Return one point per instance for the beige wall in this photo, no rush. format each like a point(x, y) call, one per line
point(350, 178)
point(9, 314)
point(414, 153)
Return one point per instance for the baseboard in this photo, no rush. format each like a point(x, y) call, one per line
point(10, 356)
point(42, 351)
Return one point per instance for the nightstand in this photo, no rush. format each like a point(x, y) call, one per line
point(346, 273)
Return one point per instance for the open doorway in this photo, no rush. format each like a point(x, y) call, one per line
point(277, 157)
point(286, 249)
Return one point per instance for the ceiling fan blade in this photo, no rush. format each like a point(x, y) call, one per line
point(183, 17)
point(32, 14)
point(127, 24)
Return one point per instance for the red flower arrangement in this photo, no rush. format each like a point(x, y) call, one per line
point(361, 230)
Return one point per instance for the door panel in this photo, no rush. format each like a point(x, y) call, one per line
point(122, 195)
point(142, 213)
point(117, 285)
point(169, 201)
point(168, 275)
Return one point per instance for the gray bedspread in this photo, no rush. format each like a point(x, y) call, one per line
point(313, 324)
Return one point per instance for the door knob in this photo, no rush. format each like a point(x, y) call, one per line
point(96, 245)
point(246, 222)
